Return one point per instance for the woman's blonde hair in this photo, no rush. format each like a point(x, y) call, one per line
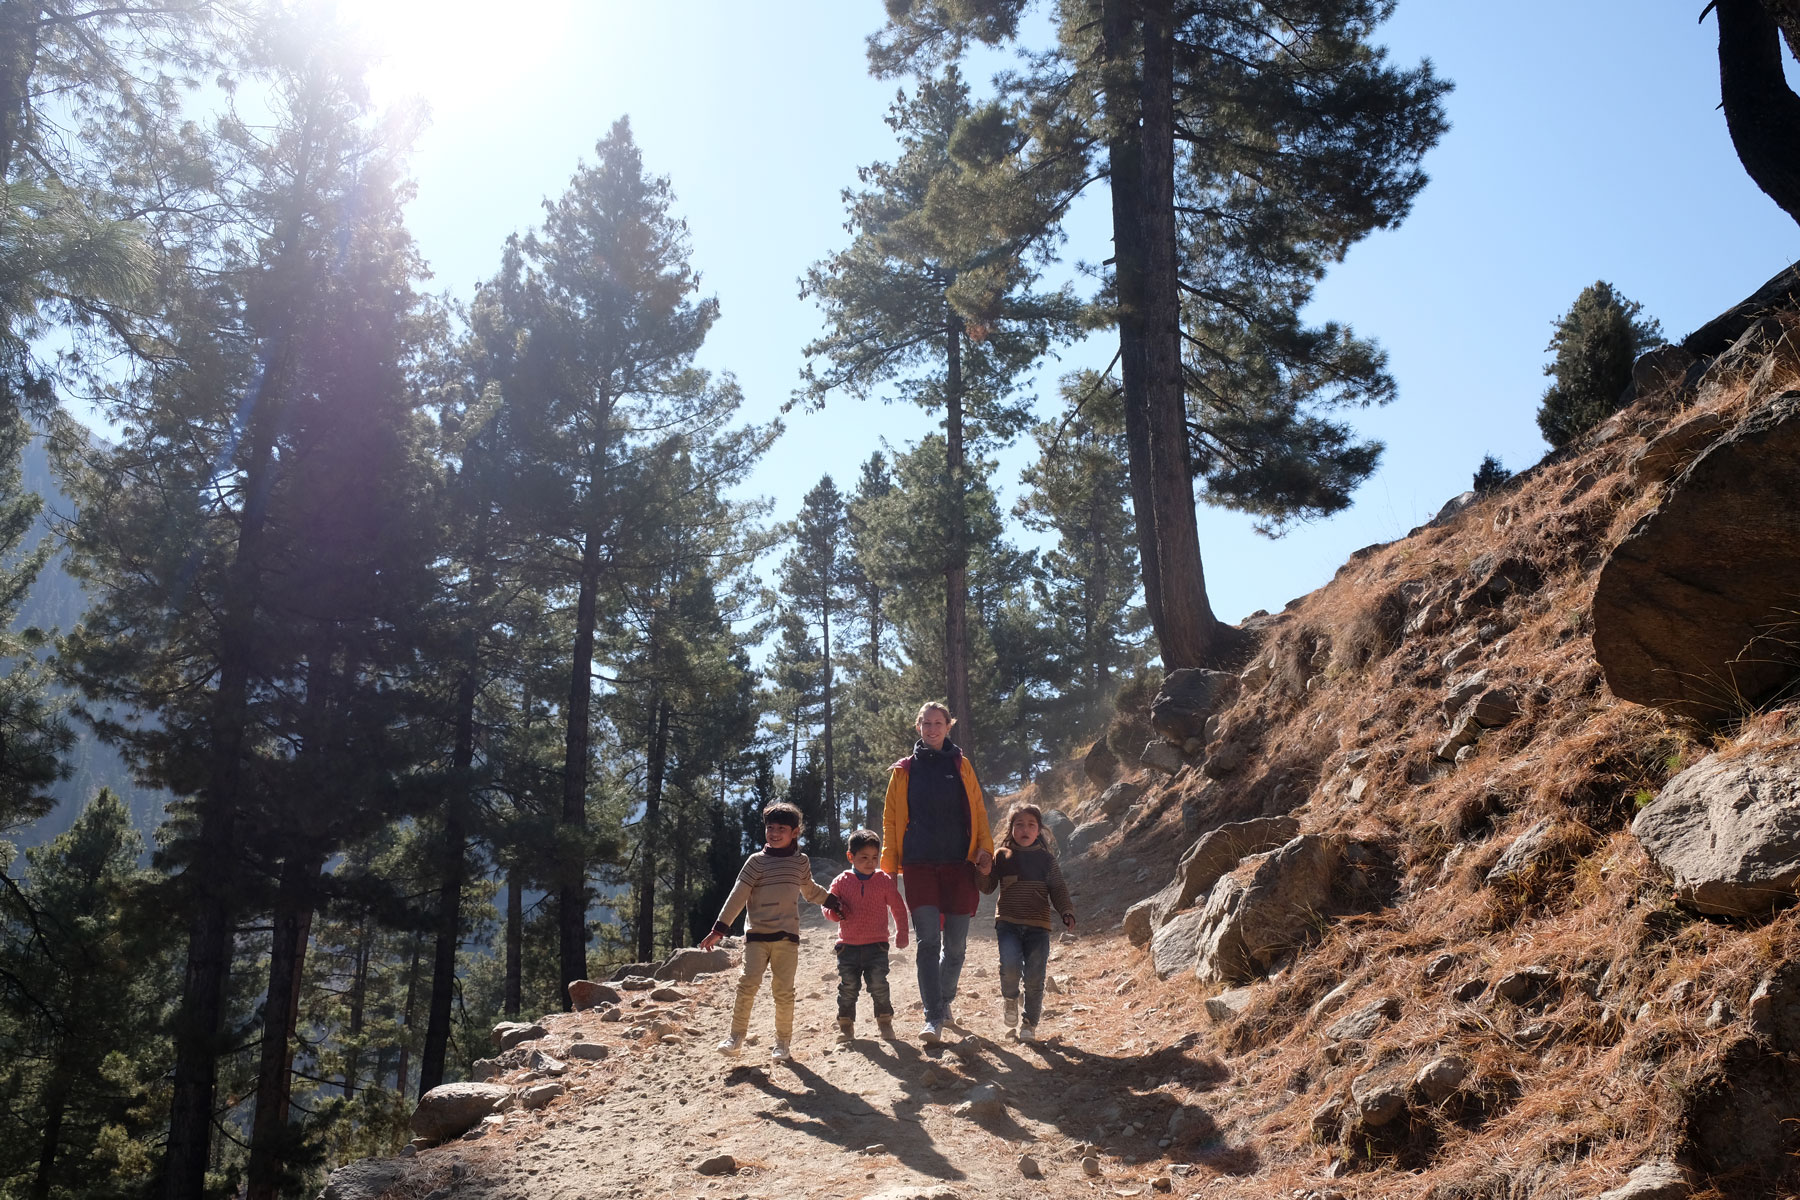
point(935, 706)
point(1022, 809)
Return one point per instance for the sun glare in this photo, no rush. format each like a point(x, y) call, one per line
point(455, 54)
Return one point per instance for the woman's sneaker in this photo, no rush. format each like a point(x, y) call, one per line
point(732, 1044)
point(931, 1033)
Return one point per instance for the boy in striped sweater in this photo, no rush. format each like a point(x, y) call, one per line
point(770, 885)
point(1032, 896)
point(866, 894)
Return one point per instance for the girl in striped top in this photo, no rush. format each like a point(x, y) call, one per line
point(1032, 895)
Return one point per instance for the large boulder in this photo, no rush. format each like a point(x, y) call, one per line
point(452, 1109)
point(1186, 698)
point(1718, 334)
point(365, 1179)
point(1175, 948)
point(1727, 831)
point(1100, 764)
point(1119, 797)
point(1217, 852)
point(684, 965)
point(1265, 908)
point(585, 994)
point(1694, 610)
point(1088, 834)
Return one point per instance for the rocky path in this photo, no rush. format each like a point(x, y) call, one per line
point(1115, 1100)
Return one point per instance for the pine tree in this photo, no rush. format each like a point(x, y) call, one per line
point(816, 577)
point(936, 292)
point(1594, 344)
point(1245, 148)
point(84, 978)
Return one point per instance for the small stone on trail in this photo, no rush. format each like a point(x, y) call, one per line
point(1163, 1183)
point(538, 1095)
point(718, 1164)
point(588, 1050)
point(876, 1149)
point(1090, 1165)
point(610, 1014)
point(668, 995)
point(1028, 1167)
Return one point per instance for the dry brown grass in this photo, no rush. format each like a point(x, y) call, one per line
point(1572, 1114)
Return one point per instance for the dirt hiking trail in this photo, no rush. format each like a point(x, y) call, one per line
point(1115, 1080)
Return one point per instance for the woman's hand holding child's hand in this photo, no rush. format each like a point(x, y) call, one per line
point(984, 862)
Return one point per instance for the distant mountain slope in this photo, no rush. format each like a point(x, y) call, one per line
point(56, 602)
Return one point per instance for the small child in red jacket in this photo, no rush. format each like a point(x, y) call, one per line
point(867, 894)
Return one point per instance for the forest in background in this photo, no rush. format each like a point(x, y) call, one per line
point(446, 632)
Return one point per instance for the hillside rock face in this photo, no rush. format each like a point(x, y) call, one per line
point(1728, 833)
point(1186, 698)
point(1696, 609)
point(1217, 852)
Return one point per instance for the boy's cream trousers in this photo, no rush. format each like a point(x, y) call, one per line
point(782, 959)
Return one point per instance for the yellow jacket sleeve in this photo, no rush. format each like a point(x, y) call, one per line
point(980, 836)
point(893, 822)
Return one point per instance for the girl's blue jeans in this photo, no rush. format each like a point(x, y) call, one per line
point(1024, 952)
point(940, 952)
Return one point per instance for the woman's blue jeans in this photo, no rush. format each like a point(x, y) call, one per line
point(1024, 952)
point(940, 955)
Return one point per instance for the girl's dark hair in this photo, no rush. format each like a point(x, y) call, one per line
point(864, 837)
point(1022, 809)
point(782, 813)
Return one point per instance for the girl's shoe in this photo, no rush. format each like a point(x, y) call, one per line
point(1027, 1032)
point(780, 1052)
point(1012, 1011)
point(732, 1044)
point(932, 1032)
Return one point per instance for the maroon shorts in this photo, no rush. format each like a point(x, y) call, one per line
point(947, 887)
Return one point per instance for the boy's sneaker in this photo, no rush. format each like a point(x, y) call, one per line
point(846, 1033)
point(932, 1032)
point(780, 1052)
point(1027, 1032)
point(886, 1025)
point(1012, 1011)
point(732, 1044)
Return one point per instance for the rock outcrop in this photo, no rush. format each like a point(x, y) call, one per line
point(452, 1109)
point(1727, 832)
point(1265, 908)
point(1696, 608)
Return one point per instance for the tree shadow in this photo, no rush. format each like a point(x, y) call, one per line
point(819, 1108)
point(1075, 1090)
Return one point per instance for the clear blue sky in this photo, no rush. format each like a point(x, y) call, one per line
point(1586, 144)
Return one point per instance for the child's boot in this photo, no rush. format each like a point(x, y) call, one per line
point(886, 1025)
point(846, 1031)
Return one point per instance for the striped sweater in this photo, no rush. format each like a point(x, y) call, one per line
point(1032, 891)
point(867, 903)
point(771, 885)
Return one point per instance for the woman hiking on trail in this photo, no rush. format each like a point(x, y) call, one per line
point(935, 840)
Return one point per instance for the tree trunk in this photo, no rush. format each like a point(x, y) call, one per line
point(678, 887)
point(402, 1072)
point(647, 849)
point(831, 796)
point(956, 573)
point(1761, 111)
point(453, 849)
point(515, 943)
point(571, 892)
point(359, 992)
point(1124, 148)
point(294, 900)
point(207, 880)
point(55, 1104)
point(1187, 637)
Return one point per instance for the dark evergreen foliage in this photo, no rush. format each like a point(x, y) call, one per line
point(1594, 344)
